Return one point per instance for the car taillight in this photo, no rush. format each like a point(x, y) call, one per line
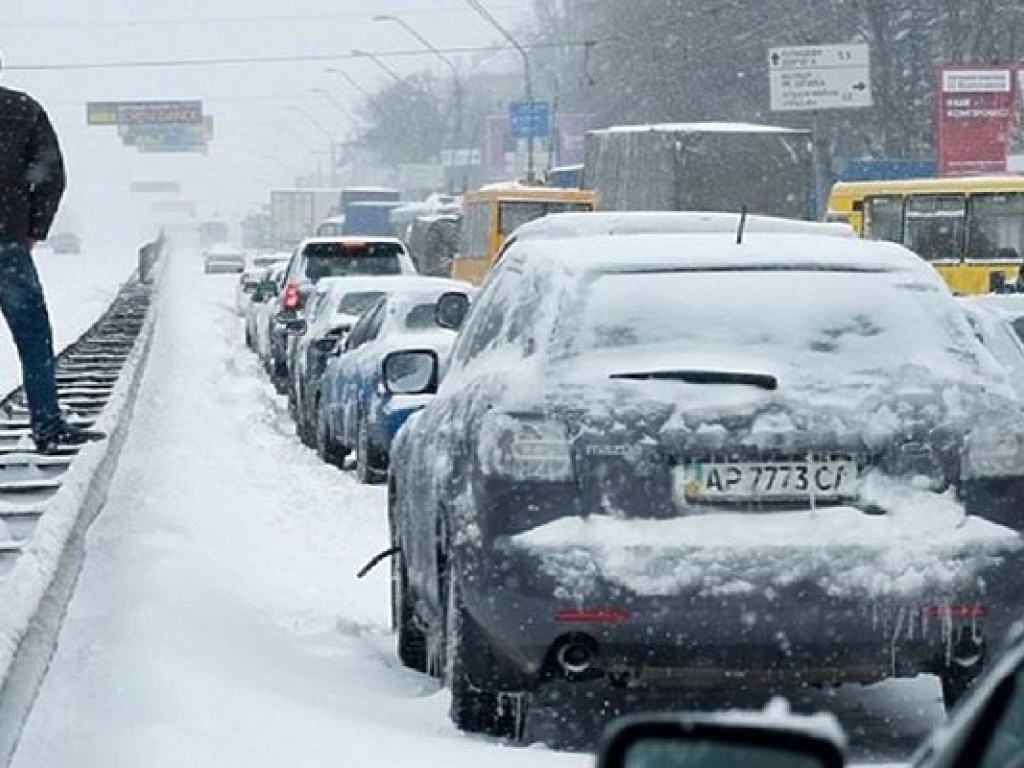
point(291, 298)
point(525, 448)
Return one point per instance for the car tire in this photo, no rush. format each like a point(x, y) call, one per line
point(412, 640)
point(368, 467)
point(326, 447)
point(475, 703)
point(293, 407)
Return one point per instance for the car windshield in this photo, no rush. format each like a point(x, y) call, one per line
point(358, 303)
point(813, 323)
point(350, 259)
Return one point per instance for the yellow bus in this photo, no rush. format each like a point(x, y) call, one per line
point(971, 229)
point(490, 214)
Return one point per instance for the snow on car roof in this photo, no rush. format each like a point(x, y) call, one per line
point(1007, 305)
point(349, 239)
point(389, 284)
point(678, 222)
point(719, 251)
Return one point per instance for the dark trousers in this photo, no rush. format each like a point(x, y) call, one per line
point(24, 309)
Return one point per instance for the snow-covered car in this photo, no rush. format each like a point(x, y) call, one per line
point(998, 321)
point(355, 410)
point(259, 318)
point(319, 257)
point(248, 281)
point(986, 729)
point(223, 258)
point(334, 308)
point(662, 461)
point(260, 309)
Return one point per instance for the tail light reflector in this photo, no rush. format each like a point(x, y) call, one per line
point(593, 616)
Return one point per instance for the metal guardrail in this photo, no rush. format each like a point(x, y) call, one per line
point(47, 503)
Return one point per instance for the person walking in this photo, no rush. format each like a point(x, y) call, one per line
point(32, 183)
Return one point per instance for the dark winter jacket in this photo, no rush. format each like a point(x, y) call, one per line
point(31, 169)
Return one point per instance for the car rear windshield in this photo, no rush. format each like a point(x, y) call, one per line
point(345, 259)
point(358, 303)
point(829, 322)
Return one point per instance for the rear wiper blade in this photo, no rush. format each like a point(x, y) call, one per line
point(761, 380)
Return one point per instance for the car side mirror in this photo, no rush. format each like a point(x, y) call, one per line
point(707, 741)
point(411, 372)
point(452, 309)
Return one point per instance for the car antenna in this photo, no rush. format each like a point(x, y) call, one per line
point(742, 225)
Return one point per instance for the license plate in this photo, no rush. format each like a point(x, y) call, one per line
point(826, 479)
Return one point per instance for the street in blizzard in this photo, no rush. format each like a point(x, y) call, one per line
point(506, 369)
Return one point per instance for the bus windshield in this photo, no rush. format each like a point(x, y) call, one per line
point(514, 213)
point(996, 226)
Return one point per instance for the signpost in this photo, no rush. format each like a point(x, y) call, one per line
point(530, 119)
point(980, 118)
point(155, 126)
point(813, 77)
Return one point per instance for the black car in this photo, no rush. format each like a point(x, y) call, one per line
point(664, 462)
point(986, 729)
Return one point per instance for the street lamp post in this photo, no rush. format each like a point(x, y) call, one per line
point(380, 63)
point(338, 105)
point(350, 80)
point(456, 83)
point(330, 138)
point(527, 78)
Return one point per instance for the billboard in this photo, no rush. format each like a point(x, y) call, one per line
point(563, 147)
point(979, 119)
point(134, 112)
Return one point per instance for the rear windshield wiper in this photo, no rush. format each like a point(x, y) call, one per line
point(761, 380)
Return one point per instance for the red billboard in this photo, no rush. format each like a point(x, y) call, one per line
point(980, 127)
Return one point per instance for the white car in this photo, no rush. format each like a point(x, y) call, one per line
point(223, 258)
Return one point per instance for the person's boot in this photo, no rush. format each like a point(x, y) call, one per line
point(66, 435)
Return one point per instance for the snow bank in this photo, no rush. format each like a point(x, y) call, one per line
point(35, 592)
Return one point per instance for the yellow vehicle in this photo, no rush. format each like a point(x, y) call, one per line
point(491, 214)
point(970, 229)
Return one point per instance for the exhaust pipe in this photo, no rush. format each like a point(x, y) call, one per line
point(575, 657)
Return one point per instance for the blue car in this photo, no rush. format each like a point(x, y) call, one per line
point(355, 412)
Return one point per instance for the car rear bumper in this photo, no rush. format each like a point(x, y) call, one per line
point(774, 636)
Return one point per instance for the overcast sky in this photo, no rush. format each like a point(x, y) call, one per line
point(261, 140)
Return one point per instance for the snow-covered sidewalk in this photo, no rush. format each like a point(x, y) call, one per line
point(218, 620)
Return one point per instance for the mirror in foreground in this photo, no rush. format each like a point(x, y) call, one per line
point(720, 741)
point(411, 372)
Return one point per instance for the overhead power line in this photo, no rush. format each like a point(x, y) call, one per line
point(290, 59)
point(214, 20)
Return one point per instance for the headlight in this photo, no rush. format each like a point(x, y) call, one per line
point(993, 451)
point(525, 448)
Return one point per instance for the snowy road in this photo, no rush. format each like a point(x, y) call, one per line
point(218, 621)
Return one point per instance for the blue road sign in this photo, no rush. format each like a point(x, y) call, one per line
point(530, 118)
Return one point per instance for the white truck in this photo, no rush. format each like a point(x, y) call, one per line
point(295, 213)
point(701, 167)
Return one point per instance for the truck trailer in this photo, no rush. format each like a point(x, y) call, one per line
point(701, 167)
